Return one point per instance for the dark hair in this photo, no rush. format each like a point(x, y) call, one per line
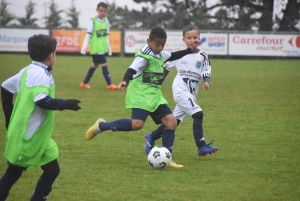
point(102, 4)
point(41, 46)
point(157, 32)
point(190, 28)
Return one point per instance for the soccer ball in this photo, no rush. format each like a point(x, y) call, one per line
point(159, 157)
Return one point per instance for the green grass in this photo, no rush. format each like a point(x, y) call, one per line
point(251, 111)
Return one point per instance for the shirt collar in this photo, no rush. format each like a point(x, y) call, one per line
point(146, 49)
point(48, 68)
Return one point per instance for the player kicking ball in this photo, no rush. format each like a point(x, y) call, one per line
point(191, 70)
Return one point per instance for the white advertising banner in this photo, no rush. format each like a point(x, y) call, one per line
point(212, 44)
point(15, 40)
point(264, 45)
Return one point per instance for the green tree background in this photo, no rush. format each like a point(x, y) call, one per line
point(238, 15)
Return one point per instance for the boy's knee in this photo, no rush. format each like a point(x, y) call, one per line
point(137, 125)
point(198, 115)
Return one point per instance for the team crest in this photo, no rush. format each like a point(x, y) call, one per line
point(198, 64)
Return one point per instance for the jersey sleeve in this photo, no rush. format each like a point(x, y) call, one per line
point(170, 65)
point(107, 39)
point(166, 55)
point(12, 84)
point(206, 67)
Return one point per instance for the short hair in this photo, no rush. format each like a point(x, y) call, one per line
point(157, 32)
point(41, 46)
point(102, 4)
point(190, 28)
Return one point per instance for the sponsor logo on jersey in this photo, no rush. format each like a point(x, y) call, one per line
point(183, 62)
point(198, 64)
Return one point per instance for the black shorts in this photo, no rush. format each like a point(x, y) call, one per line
point(99, 59)
point(157, 115)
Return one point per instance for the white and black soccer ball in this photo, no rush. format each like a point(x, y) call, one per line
point(159, 157)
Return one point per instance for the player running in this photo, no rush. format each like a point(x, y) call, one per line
point(191, 70)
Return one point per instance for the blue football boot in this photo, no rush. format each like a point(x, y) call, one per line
point(206, 150)
point(149, 142)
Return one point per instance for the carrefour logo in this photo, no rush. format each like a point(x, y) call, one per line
point(213, 41)
point(295, 41)
point(13, 39)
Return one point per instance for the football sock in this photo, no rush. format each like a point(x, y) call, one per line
point(106, 75)
point(198, 132)
point(89, 75)
point(117, 125)
point(156, 134)
point(168, 138)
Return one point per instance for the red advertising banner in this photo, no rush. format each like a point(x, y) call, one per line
point(72, 40)
point(67, 40)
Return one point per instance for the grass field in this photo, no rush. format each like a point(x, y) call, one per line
point(251, 111)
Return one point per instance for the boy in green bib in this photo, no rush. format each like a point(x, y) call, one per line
point(29, 122)
point(143, 80)
point(97, 35)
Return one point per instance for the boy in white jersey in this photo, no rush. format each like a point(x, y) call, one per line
point(97, 35)
point(29, 122)
point(191, 70)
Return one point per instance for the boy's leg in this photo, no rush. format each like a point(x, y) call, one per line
point(150, 138)
point(10, 177)
point(164, 114)
point(137, 122)
point(44, 184)
point(203, 148)
point(102, 60)
point(90, 72)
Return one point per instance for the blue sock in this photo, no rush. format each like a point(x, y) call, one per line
point(156, 134)
point(168, 138)
point(198, 132)
point(117, 125)
point(106, 74)
point(89, 75)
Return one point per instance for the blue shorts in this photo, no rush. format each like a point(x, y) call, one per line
point(99, 59)
point(157, 115)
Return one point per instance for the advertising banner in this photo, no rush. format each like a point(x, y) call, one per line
point(72, 40)
point(15, 40)
point(264, 45)
point(212, 44)
point(68, 40)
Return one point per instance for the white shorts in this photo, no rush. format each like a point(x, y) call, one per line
point(186, 106)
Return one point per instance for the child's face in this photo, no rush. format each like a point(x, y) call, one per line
point(191, 39)
point(101, 12)
point(157, 45)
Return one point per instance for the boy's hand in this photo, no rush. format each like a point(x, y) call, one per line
point(206, 85)
point(72, 104)
point(123, 85)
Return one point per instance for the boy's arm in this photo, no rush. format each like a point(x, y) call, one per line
point(49, 103)
point(87, 37)
point(85, 43)
point(178, 54)
point(128, 75)
point(7, 104)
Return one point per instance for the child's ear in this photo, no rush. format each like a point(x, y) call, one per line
point(51, 56)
